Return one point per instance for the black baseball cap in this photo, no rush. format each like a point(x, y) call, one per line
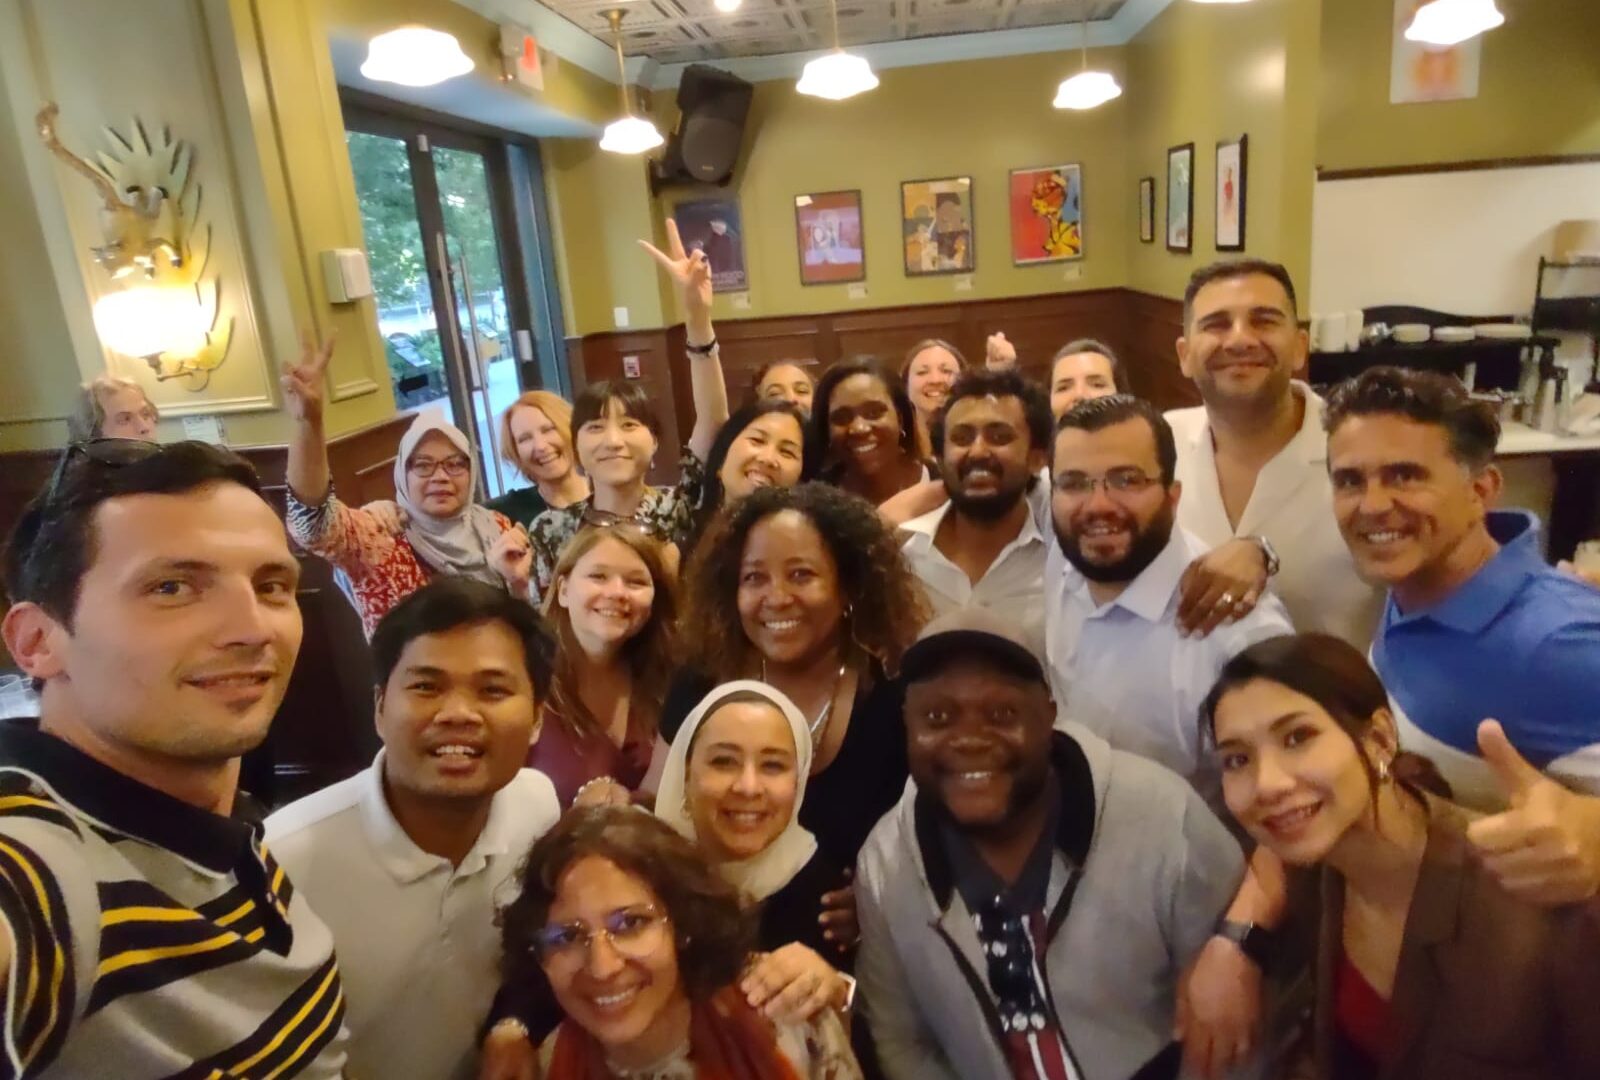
point(972, 633)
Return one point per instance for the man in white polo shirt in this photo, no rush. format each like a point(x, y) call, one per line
point(983, 548)
point(1253, 458)
point(408, 860)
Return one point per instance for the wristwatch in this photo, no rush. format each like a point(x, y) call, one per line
point(1268, 552)
point(1254, 941)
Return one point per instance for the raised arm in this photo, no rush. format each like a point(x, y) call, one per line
point(302, 384)
point(691, 274)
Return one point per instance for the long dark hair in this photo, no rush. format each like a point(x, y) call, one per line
point(712, 931)
point(822, 401)
point(1333, 673)
point(712, 494)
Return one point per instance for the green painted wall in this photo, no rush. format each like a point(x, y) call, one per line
point(1538, 91)
point(1204, 73)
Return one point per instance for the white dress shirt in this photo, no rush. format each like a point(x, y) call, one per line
point(1292, 506)
point(1013, 585)
point(1123, 670)
point(416, 940)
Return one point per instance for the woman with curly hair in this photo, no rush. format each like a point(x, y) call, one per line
point(612, 609)
point(865, 430)
point(668, 994)
point(806, 590)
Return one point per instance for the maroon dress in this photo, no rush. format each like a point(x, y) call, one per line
point(571, 760)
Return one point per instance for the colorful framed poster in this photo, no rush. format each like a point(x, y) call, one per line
point(1180, 198)
point(936, 227)
point(828, 235)
point(1232, 159)
point(1147, 210)
point(1046, 214)
point(713, 226)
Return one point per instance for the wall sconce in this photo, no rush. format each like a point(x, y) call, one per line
point(164, 308)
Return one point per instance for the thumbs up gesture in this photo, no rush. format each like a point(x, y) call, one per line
point(1545, 848)
point(998, 352)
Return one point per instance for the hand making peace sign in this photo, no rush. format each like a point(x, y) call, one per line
point(302, 382)
point(691, 272)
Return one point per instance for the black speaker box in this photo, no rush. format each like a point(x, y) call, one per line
point(705, 145)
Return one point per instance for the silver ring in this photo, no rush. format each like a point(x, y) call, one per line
point(1227, 599)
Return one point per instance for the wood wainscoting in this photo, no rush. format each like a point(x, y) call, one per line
point(1140, 327)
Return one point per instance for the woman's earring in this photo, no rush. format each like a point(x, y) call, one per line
point(1383, 771)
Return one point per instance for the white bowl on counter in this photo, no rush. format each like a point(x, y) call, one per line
point(1504, 331)
point(1412, 333)
point(1454, 335)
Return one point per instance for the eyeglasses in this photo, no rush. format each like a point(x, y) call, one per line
point(112, 453)
point(1116, 482)
point(633, 933)
point(1009, 952)
point(422, 468)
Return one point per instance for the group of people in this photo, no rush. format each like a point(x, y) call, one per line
point(935, 723)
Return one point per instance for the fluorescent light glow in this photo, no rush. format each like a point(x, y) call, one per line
point(1221, 1)
point(415, 56)
point(1450, 22)
point(630, 135)
point(149, 320)
point(837, 76)
point(727, 5)
point(1086, 89)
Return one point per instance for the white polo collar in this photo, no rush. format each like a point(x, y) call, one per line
point(400, 856)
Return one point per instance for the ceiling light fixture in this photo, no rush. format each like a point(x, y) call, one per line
point(415, 56)
point(1450, 22)
point(1087, 89)
point(1221, 1)
point(727, 5)
point(838, 74)
point(629, 134)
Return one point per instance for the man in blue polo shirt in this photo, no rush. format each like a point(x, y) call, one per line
point(1476, 626)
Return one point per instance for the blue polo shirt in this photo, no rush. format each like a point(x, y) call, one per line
point(1519, 642)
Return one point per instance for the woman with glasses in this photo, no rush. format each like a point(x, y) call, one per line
point(616, 433)
point(611, 607)
point(1426, 966)
point(435, 479)
point(646, 949)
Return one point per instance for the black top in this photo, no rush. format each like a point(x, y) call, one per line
point(790, 914)
point(863, 781)
point(521, 505)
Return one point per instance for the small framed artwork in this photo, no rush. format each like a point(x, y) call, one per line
point(1046, 214)
point(1232, 160)
point(1147, 210)
point(1180, 198)
point(936, 226)
point(828, 232)
point(713, 226)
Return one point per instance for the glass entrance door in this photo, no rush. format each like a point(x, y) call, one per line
point(441, 241)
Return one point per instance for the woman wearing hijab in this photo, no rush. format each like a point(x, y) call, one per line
point(734, 781)
point(435, 479)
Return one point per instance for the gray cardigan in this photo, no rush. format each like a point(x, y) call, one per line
point(1154, 870)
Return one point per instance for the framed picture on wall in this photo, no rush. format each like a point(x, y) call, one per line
point(1147, 210)
point(828, 234)
point(713, 226)
point(1046, 214)
point(1232, 158)
point(1180, 198)
point(936, 230)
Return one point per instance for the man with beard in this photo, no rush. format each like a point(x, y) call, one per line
point(1028, 907)
point(1120, 664)
point(1123, 668)
point(1253, 459)
point(983, 548)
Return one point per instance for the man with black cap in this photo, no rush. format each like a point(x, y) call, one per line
point(1028, 907)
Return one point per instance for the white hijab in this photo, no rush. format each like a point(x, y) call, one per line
point(774, 866)
point(454, 545)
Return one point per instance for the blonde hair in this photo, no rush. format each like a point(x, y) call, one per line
point(552, 405)
point(649, 653)
point(89, 416)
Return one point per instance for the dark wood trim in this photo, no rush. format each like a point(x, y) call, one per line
point(1531, 161)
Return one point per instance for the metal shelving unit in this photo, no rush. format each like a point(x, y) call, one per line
point(1577, 313)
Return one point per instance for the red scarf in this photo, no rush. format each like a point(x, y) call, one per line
point(728, 1040)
